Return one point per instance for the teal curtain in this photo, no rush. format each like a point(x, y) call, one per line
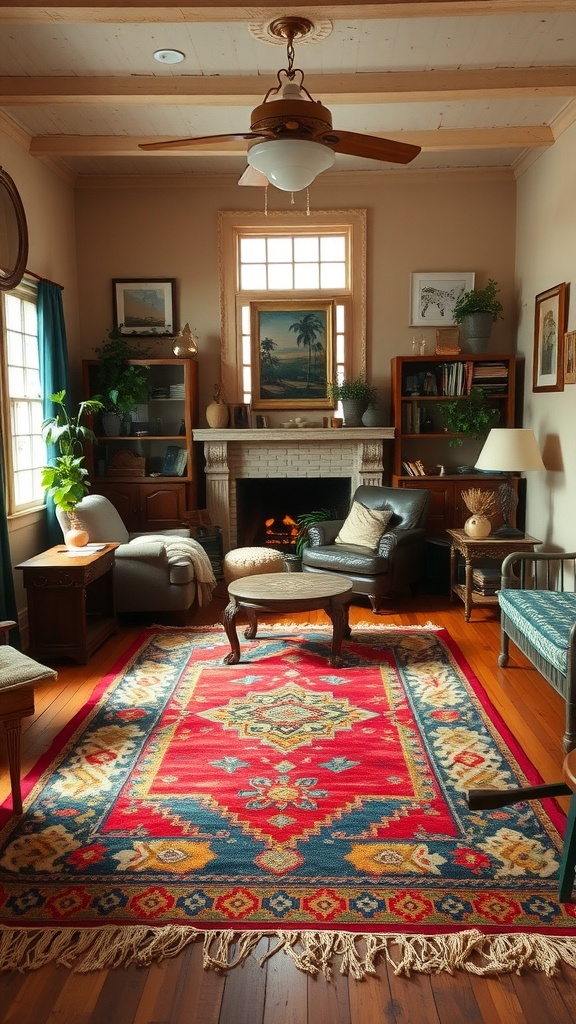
point(53, 358)
point(7, 596)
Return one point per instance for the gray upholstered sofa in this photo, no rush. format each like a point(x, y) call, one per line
point(538, 613)
point(156, 572)
point(397, 560)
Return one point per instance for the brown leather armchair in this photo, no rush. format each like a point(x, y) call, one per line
point(398, 560)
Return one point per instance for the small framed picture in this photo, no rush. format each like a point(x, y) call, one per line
point(549, 330)
point(239, 416)
point(434, 295)
point(144, 308)
point(570, 357)
point(262, 422)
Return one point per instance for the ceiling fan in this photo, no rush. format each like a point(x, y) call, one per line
point(291, 139)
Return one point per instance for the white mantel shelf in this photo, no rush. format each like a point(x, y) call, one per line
point(233, 454)
point(283, 434)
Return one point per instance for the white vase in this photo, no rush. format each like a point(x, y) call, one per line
point(477, 527)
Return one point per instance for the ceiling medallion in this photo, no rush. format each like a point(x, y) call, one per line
point(302, 30)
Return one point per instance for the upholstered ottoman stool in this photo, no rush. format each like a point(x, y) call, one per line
point(242, 562)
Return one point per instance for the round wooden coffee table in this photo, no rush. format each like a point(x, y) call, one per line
point(288, 592)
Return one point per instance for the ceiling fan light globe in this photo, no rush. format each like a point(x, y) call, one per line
point(290, 164)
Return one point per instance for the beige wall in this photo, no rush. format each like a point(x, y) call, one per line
point(49, 206)
point(433, 222)
point(545, 258)
point(83, 238)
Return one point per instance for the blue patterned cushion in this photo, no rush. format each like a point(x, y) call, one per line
point(545, 618)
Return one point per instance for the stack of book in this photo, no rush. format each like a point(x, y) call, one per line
point(491, 377)
point(486, 578)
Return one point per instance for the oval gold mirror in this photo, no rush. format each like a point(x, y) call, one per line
point(13, 234)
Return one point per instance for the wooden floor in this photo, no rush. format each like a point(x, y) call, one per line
point(179, 991)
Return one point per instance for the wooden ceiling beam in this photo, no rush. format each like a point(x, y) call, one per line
point(239, 90)
point(431, 141)
point(166, 11)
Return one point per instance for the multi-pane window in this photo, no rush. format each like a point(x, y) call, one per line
point(27, 451)
point(286, 256)
point(317, 263)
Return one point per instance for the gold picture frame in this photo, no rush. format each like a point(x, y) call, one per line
point(292, 353)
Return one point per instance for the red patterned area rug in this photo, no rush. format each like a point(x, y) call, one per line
point(192, 800)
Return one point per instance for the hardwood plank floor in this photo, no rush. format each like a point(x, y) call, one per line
point(179, 991)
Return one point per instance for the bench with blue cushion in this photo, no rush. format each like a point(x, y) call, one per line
point(539, 617)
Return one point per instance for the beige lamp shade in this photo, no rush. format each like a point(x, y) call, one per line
point(510, 450)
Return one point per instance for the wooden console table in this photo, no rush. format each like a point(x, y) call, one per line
point(70, 602)
point(472, 550)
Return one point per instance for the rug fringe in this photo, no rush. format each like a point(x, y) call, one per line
point(110, 947)
point(377, 627)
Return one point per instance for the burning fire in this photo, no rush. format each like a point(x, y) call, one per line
point(276, 535)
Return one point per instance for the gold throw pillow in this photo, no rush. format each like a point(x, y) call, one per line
point(364, 526)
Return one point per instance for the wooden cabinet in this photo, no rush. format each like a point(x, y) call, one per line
point(145, 507)
point(136, 471)
point(420, 385)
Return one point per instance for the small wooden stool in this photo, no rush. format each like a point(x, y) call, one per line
point(489, 799)
point(18, 676)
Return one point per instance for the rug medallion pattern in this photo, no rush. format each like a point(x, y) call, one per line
point(281, 792)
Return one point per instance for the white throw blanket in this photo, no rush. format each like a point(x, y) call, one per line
point(186, 549)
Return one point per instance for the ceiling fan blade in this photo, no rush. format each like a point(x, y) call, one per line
point(199, 141)
point(372, 148)
point(253, 177)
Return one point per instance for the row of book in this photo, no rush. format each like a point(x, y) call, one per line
point(458, 378)
point(414, 468)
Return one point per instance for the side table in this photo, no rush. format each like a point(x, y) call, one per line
point(472, 550)
point(70, 602)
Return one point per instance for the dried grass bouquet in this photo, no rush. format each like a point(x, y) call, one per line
point(479, 502)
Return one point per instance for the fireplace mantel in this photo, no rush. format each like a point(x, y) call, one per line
point(234, 454)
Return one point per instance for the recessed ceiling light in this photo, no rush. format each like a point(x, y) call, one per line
point(169, 56)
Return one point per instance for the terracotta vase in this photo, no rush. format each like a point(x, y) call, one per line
point(477, 527)
point(75, 537)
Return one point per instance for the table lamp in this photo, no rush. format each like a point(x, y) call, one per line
point(509, 450)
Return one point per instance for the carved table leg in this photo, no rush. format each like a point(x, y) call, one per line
point(229, 623)
point(453, 570)
point(338, 614)
point(468, 590)
point(252, 629)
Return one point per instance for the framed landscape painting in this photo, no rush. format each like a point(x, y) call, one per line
point(144, 307)
point(292, 354)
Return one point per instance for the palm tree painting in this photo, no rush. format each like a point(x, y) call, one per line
point(291, 354)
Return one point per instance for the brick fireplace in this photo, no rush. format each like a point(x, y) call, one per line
point(353, 453)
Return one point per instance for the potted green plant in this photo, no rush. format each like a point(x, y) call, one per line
point(303, 521)
point(121, 386)
point(356, 395)
point(475, 312)
point(67, 479)
point(471, 416)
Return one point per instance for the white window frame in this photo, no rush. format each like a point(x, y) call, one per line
point(232, 225)
point(27, 291)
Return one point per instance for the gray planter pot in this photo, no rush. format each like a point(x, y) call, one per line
point(353, 411)
point(111, 424)
point(475, 331)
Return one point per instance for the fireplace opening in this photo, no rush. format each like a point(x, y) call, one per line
point(267, 510)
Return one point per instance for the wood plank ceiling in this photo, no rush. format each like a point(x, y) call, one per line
point(484, 84)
